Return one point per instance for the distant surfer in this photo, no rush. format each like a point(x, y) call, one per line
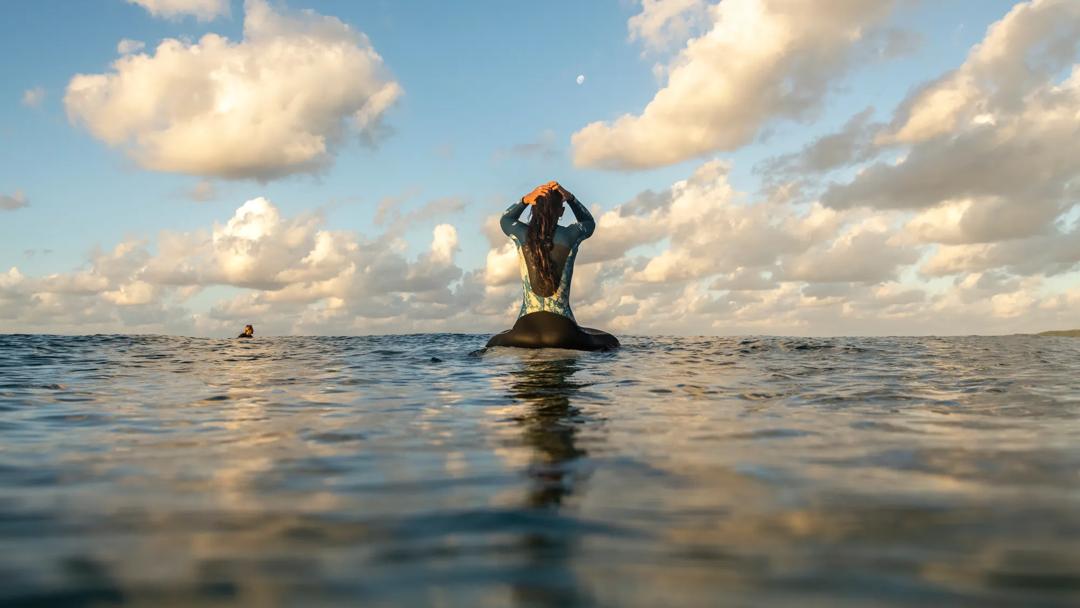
point(249, 332)
point(546, 253)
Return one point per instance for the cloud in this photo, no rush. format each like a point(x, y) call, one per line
point(33, 98)
point(501, 266)
point(128, 46)
point(760, 60)
point(203, 10)
point(709, 230)
point(256, 248)
point(958, 215)
point(1023, 155)
point(895, 42)
point(444, 243)
point(987, 151)
point(202, 191)
point(698, 257)
point(1020, 53)
point(662, 23)
point(851, 145)
point(11, 202)
point(703, 258)
point(280, 101)
point(1051, 254)
point(700, 253)
point(981, 221)
point(286, 268)
point(864, 253)
point(389, 211)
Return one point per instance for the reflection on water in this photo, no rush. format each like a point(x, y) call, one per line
point(549, 423)
point(401, 470)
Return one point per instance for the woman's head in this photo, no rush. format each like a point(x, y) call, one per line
point(549, 205)
point(545, 218)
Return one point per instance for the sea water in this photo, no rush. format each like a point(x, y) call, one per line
point(420, 470)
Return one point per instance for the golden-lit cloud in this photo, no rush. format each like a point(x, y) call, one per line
point(758, 60)
point(280, 101)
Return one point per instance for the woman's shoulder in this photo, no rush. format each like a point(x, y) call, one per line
point(568, 235)
point(564, 235)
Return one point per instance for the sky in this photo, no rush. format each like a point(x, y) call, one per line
point(329, 167)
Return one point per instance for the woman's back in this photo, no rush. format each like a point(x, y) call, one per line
point(546, 254)
point(563, 253)
point(548, 293)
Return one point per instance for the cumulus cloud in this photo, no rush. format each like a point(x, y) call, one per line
point(102, 297)
point(390, 213)
point(501, 267)
point(444, 243)
point(959, 216)
point(704, 258)
point(698, 257)
point(33, 98)
point(11, 202)
point(127, 46)
point(286, 268)
point(256, 248)
point(867, 252)
point(1020, 53)
point(709, 229)
point(664, 22)
point(702, 255)
point(895, 42)
point(1048, 255)
point(1024, 155)
point(851, 145)
point(998, 129)
point(278, 102)
point(976, 169)
point(987, 152)
point(985, 220)
point(759, 60)
point(203, 10)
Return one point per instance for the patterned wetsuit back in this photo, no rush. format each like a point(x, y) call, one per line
point(567, 236)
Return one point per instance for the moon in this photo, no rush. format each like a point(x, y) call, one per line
point(581, 79)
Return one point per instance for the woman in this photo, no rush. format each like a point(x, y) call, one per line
point(546, 253)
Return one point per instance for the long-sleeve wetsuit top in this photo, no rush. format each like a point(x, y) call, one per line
point(567, 236)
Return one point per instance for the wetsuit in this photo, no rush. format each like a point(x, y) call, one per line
point(548, 321)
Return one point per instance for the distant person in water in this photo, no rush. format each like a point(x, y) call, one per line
point(546, 253)
point(249, 332)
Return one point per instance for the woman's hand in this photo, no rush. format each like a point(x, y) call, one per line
point(541, 191)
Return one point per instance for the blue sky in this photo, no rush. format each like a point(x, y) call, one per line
point(488, 107)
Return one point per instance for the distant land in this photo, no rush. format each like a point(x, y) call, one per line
point(1068, 333)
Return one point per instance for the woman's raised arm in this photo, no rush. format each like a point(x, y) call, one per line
point(509, 221)
point(581, 213)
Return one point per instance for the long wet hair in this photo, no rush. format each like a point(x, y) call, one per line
point(540, 240)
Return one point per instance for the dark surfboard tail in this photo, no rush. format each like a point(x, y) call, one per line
point(549, 330)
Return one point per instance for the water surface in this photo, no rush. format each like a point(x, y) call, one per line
point(410, 470)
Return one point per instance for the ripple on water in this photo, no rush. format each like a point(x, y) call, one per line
point(675, 471)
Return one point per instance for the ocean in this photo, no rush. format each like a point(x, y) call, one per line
point(422, 470)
